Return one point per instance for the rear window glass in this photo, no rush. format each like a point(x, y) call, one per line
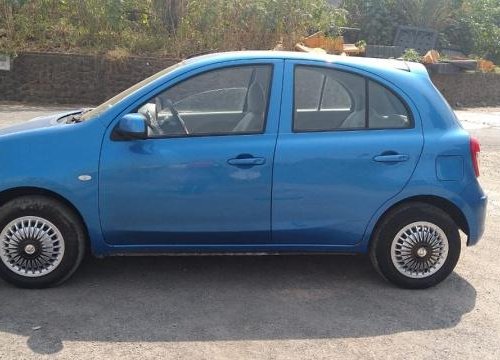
point(386, 109)
point(328, 100)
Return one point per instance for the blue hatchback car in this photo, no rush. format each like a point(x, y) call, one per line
point(247, 152)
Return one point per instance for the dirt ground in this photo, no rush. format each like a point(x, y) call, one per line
point(288, 307)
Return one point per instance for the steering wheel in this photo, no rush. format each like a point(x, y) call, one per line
point(167, 103)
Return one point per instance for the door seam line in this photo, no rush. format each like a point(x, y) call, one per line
point(275, 148)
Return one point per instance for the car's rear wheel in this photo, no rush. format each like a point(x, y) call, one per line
point(416, 246)
point(42, 242)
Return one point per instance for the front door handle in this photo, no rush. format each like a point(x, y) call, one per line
point(391, 158)
point(246, 161)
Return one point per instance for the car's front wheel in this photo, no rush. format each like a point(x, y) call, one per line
point(42, 241)
point(416, 246)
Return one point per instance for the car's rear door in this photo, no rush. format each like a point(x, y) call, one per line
point(209, 187)
point(347, 143)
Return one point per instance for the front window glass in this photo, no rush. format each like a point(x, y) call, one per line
point(226, 101)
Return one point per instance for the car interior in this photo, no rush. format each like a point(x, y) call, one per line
point(327, 100)
point(234, 101)
point(237, 108)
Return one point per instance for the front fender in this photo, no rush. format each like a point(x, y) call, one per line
point(53, 158)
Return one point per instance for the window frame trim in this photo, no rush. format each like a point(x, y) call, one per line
point(367, 80)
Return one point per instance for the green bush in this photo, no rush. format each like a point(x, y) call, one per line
point(411, 55)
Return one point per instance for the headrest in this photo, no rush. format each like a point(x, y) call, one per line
point(255, 99)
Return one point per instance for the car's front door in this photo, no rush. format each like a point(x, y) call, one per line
point(203, 175)
point(347, 144)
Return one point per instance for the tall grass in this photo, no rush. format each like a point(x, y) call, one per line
point(176, 27)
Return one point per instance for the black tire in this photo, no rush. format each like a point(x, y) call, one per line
point(393, 223)
point(68, 224)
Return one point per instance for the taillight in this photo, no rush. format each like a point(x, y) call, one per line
point(474, 153)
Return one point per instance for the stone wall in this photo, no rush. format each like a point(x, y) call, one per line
point(74, 79)
point(469, 89)
point(88, 80)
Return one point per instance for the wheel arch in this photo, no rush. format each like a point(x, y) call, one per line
point(10, 194)
point(446, 205)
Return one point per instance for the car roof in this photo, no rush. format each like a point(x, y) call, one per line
point(360, 62)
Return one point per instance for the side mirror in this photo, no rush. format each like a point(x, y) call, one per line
point(131, 127)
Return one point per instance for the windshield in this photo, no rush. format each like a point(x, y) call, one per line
point(111, 102)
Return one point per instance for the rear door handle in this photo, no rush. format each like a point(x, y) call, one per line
point(247, 161)
point(391, 158)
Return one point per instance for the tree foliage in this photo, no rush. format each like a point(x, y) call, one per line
point(376, 19)
point(480, 25)
point(470, 25)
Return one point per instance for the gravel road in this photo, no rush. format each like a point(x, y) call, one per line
point(288, 307)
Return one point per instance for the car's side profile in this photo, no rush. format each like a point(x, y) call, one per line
point(247, 152)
